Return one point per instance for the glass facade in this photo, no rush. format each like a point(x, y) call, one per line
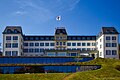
point(40, 60)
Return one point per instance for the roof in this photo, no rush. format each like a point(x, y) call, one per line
point(13, 30)
point(60, 31)
point(50, 38)
point(109, 30)
point(37, 38)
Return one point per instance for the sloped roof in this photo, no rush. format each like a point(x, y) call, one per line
point(61, 30)
point(12, 29)
point(109, 30)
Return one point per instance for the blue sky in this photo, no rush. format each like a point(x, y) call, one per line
point(80, 17)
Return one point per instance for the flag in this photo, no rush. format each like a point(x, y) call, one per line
point(58, 18)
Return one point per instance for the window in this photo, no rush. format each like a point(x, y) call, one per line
point(60, 37)
point(100, 46)
point(25, 44)
point(14, 53)
point(46, 44)
point(8, 37)
point(64, 43)
point(93, 44)
point(83, 44)
point(42, 38)
point(9, 31)
point(62, 54)
point(114, 52)
point(78, 48)
point(78, 38)
point(83, 38)
point(107, 37)
point(41, 50)
point(31, 50)
point(52, 38)
point(114, 44)
point(113, 37)
point(15, 45)
point(60, 43)
point(100, 40)
point(83, 49)
point(74, 38)
point(100, 53)
point(15, 31)
point(73, 54)
point(36, 44)
point(88, 38)
point(88, 44)
point(73, 48)
point(108, 52)
point(41, 44)
point(73, 44)
point(47, 38)
point(93, 38)
point(69, 38)
point(36, 50)
point(25, 50)
point(88, 49)
point(68, 48)
point(50, 54)
point(78, 44)
point(7, 53)
point(51, 44)
point(8, 45)
point(57, 43)
point(108, 44)
point(26, 38)
point(68, 44)
point(15, 37)
point(31, 44)
point(36, 38)
point(31, 38)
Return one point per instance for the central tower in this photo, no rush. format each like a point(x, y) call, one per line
point(60, 38)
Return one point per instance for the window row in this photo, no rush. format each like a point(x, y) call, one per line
point(11, 45)
point(111, 52)
point(38, 44)
point(111, 44)
point(37, 50)
point(81, 44)
point(11, 53)
point(11, 38)
point(111, 38)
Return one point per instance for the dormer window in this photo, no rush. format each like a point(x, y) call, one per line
point(107, 31)
point(15, 31)
point(9, 31)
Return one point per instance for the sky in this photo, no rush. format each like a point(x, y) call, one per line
point(79, 17)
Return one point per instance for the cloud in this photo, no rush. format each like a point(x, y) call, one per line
point(20, 12)
point(44, 10)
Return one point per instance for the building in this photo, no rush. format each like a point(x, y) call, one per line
point(104, 45)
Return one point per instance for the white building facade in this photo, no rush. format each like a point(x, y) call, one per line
point(60, 44)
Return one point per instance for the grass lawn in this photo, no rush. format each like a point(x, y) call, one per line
point(107, 72)
point(49, 76)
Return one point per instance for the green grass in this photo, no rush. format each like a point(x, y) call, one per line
point(49, 76)
point(107, 72)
